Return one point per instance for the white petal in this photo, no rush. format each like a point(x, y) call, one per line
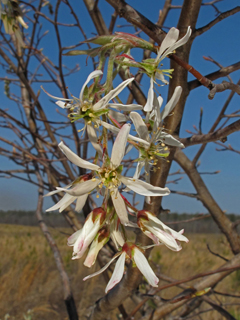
point(75, 159)
point(103, 269)
point(67, 203)
point(52, 193)
point(169, 140)
point(168, 41)
point(149, 104)
point(112, 94)
point(172, 102)
point(57, 98)
point(94, 139)
point(120, 207)
point(125, 107)
point(139, 167)
point(89, 232)
point(145, 268)
point(178, 44)
point(63, 105)
point(93, 251)
point(116, 130)
point(177, 235)
point(65, 199)
point(183, 40)
point(73, 238)
point(81, 202)
point(144, 188)
point(117, 273)
point(91, 76)
point(82, 188)
point(140, 126)
point(118, 150)
point(165, 238)
point(120, 117)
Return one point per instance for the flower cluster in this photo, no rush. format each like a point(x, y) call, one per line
point(97, 108)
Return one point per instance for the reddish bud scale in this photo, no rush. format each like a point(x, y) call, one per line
point(125, 56)
point(142, 215)
point(98, 211)
point(128, 247)
point(103, 234)
point(86, 177)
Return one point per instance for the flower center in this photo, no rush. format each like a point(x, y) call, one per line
point(109, 178)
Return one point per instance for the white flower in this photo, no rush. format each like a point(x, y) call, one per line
point(155, 145)
point(109, 176)
point(170, 43)
point(81, 239)
point(85, 107)
point(167, 47)
point(131, 251)
point(159, 232)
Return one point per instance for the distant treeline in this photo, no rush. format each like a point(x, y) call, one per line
point(195, 223)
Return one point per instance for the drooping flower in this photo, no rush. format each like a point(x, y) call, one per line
point(130, 251)
point(109, 176)
point(159, 232)
point(82, 238)
point(99, 241)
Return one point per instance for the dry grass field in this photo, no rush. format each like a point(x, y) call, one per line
point(29, 279)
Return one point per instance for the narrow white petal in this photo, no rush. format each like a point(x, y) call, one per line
point(63, 105)
point(81, 202)
point(138, 170)
point(168, 41)
point(65, 199)
point(93, 252)
point(149, 104)
point(94, 139)
point(116, 130)
point(82, 188)
point(75, 159)
point(103, 269)
point(140, 126)
point(167, 239)
point(112, 94)
point(170, 140)
point(120, 117)
point(120, 207)
point(91, 76)
point(160, 76)
point(52, 193)
point(57, 98)
point(73, 238)
point(145, 268)
point(144, 188)
point(125, 107)
point(89, 232)
point(117, 273)
point(172, 102)
point(183, 40)
point(67, 203)
point(178, 44)
point(119, 146)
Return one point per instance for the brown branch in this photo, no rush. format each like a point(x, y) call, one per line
point(223, 72)
point(67, 294)
point(220, 134)
point(224, 224)
point(220, 87)
point(221, 17)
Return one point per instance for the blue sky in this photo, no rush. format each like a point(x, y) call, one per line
point(220, 43)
